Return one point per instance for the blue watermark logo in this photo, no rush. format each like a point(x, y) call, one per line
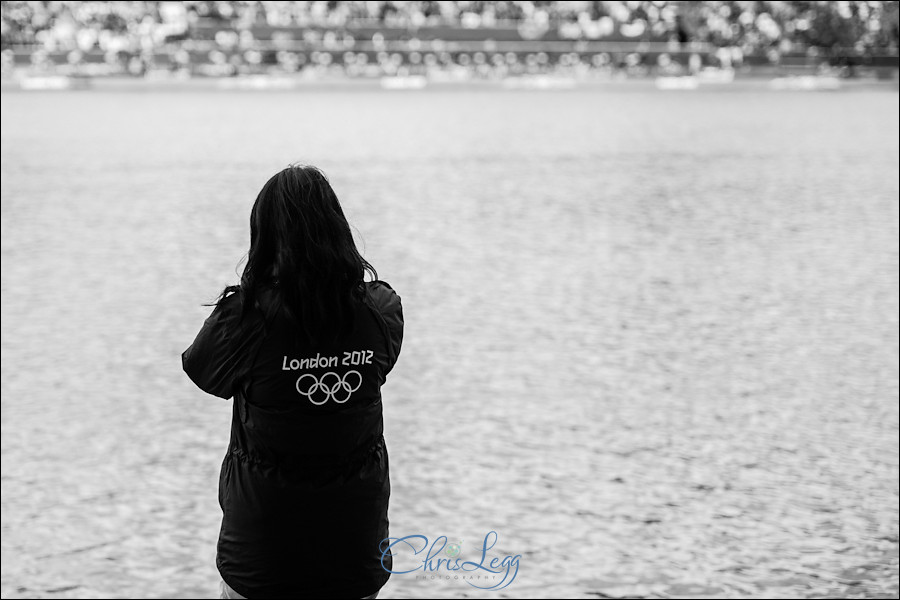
point(416, 554)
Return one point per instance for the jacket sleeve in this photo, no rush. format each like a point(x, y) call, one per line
point(388, 304)
point(221, 351)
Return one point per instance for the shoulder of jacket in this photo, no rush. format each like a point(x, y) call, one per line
point(229, 312)
point(230, 304)
point(382, 295)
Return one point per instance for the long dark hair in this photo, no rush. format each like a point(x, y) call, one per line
point(301, 244)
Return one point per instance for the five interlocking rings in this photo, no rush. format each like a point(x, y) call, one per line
point(332, 386)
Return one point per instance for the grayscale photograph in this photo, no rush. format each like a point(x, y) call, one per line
point(418, 299)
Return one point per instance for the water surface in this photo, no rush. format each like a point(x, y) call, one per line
point(651, 339)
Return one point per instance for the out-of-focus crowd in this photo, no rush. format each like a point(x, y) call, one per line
point(235, 37)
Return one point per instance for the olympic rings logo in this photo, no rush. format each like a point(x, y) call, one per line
point(330, 386)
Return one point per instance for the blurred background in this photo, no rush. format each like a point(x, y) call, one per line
point(441, 40)
point(648, 255)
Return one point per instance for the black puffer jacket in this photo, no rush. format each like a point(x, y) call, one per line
point(304, 486)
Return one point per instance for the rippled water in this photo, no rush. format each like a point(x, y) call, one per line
point(652, 339)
